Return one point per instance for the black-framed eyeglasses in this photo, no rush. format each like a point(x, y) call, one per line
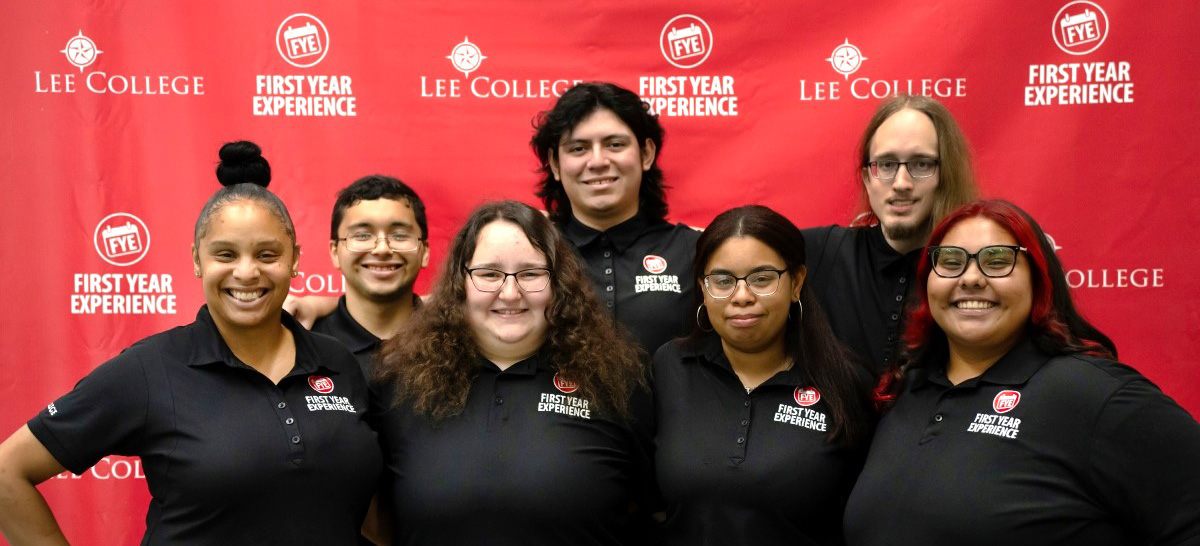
point(486, 279)
point(365, 241)
point(763, 282)
point(918, 167)
point(994, 261)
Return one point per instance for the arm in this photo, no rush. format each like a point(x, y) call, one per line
point(25, 518)
point(377, 527)
point(307, 309)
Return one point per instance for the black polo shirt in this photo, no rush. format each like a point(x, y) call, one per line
point(229, 456)
point(1037, 450)
point(642, 270)
point(745, 468)
point(526, 463)
point(341, 326)
point(863, 284)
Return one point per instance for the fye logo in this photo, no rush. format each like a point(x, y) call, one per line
point(686, 41)
point(1005, 401)
point(467, 57)
point(82, 52)
point(847, 59)
point(1080, 27)
point(320, 383)
point(302, 40)
point(654, 264)
point(121, 239)
point(565, 386)
point(806, 396)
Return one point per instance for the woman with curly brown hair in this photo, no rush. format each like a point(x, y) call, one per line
point(511, 419)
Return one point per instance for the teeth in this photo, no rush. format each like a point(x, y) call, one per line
point(246, 296)
point(508, 311)
point(382, 267)
point(975, 304)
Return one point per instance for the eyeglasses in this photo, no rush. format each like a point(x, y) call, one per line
point(763, 282)
point(486, 279)
point(918, 167)
point(994, 261)
point(366, 242)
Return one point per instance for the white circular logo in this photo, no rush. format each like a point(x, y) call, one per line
point(121, 239)
point(466, 57)
point(654, 264)
point(302, 40)
point(846, 59)
point(806, 396)
point(1080, 27)
point(81, 51)
point(1005, 401)
point(686, 41)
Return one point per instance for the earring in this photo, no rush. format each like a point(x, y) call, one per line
point(797, 302)
point(701, 323)
point(295, 273)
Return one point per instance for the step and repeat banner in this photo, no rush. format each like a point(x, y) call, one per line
point(1083, 112)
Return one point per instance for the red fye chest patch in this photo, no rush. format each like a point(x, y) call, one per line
point(564, 386)
point(320, 383)
point(654, 264)
point(1005, 401)
point(806, 396)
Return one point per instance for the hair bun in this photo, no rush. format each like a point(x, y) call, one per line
point(242, 162)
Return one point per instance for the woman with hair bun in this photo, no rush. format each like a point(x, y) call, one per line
point(1010, 421)
point(250, 429)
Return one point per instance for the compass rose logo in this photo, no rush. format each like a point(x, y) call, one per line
point(81, 51)
point(846, 59)
point(466, 57)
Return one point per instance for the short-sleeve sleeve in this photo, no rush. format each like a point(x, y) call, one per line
point(102, 415)
point(1146, 464)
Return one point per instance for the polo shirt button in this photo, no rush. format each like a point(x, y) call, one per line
point(938, 418)
point(902, 279)
point(741, 440)
point(295, 439)
point(895, 316)
point(289, 421)
point(745, 422)
point(609, 304)
point(607, 254)
point(746, 403)
point(499, 400)
point(608, 288)
point(899, 298)
point(282, 405)
point(608, 271)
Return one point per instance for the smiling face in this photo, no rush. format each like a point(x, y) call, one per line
point(509, 324)
point(245, 262)
point(981, 315)
point(381, 275)
point(903, 204)
point(600, 164)
point(747, 322)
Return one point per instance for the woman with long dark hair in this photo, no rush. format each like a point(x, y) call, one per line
point(1010, 421)
point(251, 430)
point(512, 420)
point(762, 415)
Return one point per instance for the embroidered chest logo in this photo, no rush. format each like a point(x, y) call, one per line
point(324, 385)
point(656, 281)
point(320, 383)
point(571, 406)
point(801, 415)
point(998, 424)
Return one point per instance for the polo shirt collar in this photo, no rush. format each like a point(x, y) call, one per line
point(209, 348)
point(530, 366)
point(357, 338)
point(1014, 368)
point(622, 235)
point(883, 255)
point(711, 352)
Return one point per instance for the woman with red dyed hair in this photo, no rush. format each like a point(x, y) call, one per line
point(1010, 422)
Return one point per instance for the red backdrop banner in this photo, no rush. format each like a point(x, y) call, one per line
point(1082, 112)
